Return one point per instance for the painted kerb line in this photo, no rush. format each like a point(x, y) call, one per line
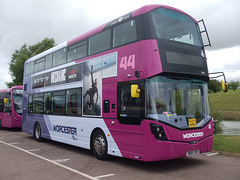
point(56, 163)
point(212, 154)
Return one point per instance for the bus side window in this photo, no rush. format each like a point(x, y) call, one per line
point(59, 102)
point(29, 68)
point(1, 105)
point(124, 33)
point(38, 103)
point(77, 51)
point(1, 102)
point(100, 42)
point(39, 65)
point(30, 105)
point(47, 103)
point(49, 61)
point(125, 99)
point(7, 103)
point(74, 102)
point(60, 57)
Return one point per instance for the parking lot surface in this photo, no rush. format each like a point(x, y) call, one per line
point(21, 157)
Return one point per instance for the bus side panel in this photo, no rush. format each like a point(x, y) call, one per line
point(129, 138)
point(142, 56)
point(10, 121)
point(6, 120)
point(72, 130)
point(109, 94)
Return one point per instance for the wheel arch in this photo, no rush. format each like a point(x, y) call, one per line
point(93, 131)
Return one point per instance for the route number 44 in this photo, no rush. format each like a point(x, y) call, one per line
point(127, 62)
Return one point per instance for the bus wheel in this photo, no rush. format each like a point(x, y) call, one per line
point(99, 145)
point(37, 132)
point(0, 124)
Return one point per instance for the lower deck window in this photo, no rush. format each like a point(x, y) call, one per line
point(58, 102)
point(74, 102)
point(66, 102)
point(38, 104)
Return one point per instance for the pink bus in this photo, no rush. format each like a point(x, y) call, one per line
point(11, 107)
point(135, 87)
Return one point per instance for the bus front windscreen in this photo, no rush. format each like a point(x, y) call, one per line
point(17, 100)
point(175, 26)
point(180, 102)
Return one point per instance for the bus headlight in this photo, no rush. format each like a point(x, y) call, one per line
point(158, 131)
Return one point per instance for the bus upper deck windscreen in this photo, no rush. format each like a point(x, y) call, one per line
point(176, 26)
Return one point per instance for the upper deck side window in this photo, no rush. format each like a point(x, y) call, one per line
point(39, 65)
point(100, 42)
point(124, 33)
point(77, 51)
point(29, 68)
point(117, 36)
point(49, 61)
point(59, 57)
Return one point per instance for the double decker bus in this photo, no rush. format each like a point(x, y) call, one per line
point(11, 107)
point(135, 87)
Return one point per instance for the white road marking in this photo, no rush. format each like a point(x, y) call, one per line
point(14, 143)
point(212, 154)
point(32, 150)
point(53, 162)
point(61, 160)
point(103, 176)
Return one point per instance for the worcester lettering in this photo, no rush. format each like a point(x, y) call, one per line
point(65, 129)
point(193, 135)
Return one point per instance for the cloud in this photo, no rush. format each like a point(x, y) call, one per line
point(226, 60)
point(221, 18)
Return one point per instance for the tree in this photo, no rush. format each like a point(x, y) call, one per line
point(19, 57)
point(233, 85)
point(214, 86)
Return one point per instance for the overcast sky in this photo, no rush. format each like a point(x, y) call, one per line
point(30, 21)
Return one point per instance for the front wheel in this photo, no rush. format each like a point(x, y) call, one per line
point(99, 145)
point(37, 132)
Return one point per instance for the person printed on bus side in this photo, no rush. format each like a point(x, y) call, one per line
point(92, 91)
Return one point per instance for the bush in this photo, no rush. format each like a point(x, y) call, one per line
point(218, 118)
point(214, 86)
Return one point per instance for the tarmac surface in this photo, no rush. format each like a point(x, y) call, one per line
point(21, 157)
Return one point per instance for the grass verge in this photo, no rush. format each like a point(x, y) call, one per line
point(226, 103)
point(227, 144)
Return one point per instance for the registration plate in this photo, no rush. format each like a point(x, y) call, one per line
point(192, 153)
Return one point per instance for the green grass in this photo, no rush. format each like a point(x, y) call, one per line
point(229, 144)
point(226, 103)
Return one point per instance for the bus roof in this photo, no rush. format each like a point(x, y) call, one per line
point(9, 89)
point(134, 13)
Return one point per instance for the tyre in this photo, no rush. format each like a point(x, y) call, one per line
point(37, 132)
point(99, 145)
